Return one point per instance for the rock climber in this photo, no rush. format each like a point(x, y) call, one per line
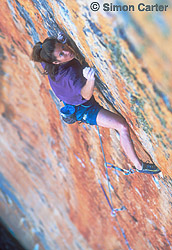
point(74, 85)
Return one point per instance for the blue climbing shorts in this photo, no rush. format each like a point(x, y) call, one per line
point(86, 112)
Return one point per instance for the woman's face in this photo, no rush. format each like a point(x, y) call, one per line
point(63, 53)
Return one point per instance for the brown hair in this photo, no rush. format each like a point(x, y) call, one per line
point(43, 52)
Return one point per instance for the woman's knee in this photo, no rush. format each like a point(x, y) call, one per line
point(124, 127)
point(109, 119)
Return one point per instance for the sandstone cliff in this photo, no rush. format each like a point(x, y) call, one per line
point(50, 197)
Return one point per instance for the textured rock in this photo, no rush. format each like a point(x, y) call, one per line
point(50, 195)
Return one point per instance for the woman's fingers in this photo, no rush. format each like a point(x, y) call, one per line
point(88, 73)
point(61, 37)
point(91, 74)
point(85, 72)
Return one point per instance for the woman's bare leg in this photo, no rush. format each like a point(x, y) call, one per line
point(108, 119)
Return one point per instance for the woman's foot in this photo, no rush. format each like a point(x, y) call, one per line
point(148, 168)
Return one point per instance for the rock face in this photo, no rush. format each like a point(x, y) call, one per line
point(49, 172)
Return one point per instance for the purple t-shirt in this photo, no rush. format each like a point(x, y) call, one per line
point(68, 82)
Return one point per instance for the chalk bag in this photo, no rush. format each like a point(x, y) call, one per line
point(68, 114)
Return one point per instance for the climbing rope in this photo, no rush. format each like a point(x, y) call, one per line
point(125, 172)
point(108, 179)
point(109, 165)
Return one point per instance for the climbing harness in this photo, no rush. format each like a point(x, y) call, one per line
point(109, 165)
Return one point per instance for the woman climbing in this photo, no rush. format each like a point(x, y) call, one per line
point(74, 86)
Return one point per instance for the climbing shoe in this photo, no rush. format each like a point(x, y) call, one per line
point(148, 168)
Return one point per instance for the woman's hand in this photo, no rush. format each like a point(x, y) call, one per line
point(87, 90)
point(61, 37)
point(88, 73)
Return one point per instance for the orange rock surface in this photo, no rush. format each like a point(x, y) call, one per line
point(50, 196)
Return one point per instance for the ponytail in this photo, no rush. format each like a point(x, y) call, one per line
point(43, 52)
point(36, 52)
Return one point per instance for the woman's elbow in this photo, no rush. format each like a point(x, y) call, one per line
point(85, 94)
point(86, 97)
